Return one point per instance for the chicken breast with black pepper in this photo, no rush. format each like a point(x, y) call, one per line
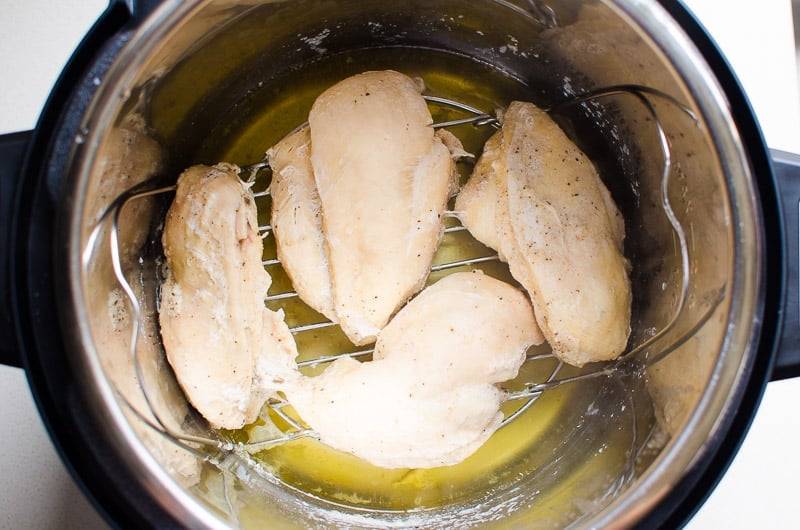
point(374, 216)
point(538, 200)
point(229, 352)
point(430, 397)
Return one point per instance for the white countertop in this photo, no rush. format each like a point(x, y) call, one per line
point(760, 489)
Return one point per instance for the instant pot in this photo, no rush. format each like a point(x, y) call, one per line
point(158, 86)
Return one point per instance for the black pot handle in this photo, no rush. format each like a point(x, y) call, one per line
point(12, 154)
point(786, 167)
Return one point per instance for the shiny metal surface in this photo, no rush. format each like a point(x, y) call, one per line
point(713, 192)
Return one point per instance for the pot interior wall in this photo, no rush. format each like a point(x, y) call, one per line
point(225, 82)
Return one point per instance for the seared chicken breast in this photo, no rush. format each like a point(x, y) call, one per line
point(229, 352)
point(539, 201)
point(430, 396)
point(383, 178)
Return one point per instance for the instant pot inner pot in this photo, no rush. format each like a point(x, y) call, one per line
point(224, 83)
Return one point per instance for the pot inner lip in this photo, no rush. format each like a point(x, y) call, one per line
point(719, 397)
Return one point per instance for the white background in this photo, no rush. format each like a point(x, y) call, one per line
point(759, 491)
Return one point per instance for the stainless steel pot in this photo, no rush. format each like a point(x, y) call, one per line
point(208, 81)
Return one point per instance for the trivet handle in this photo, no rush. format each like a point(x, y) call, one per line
point(12, 153)
point(786, 167)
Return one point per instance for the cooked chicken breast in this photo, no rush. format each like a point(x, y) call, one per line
point(297, 222)
point(229, 352)
point(430, 396)
point(297, 217)
point(383, 179)
point(482, 206)
point(539, 201)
